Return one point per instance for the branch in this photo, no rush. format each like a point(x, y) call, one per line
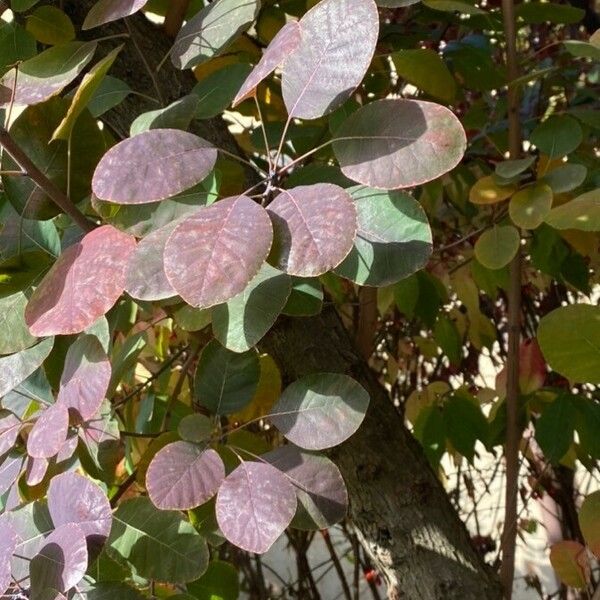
point(175, 16)
point(54, 193)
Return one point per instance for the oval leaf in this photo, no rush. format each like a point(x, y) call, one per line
point(487, 191)
point(16, 368)
point(571, 563)
point(255, 504)
point(10, 426)
point(212, 255)
point(314, 227)
point(83, 284)
point(105, 11)
point(49, 432)
point(183, 475)
point(530, 206)
point(15, 336)
point(320, 410)
point(582, 213)
point(10, 469)
point(338, 39)
point(399, 143)
point(497, 246)
point(153, 165)
point(589, 521)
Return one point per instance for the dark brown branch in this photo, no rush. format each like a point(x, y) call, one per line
point(175, 16)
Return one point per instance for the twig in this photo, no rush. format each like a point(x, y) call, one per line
point(56, 195)
point(336, 563)
point(123, 488)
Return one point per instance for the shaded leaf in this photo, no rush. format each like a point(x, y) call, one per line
point(558, 135)
point(15, 334)
point(220, 582)
point(530, 206)
point(16, 368)
point(565, 178)
point(195, 428)
point(571, 563)
point(554, 429)
point(464, 424)
point(49, 432)
point(178, 115)
point(589, 521)
point(216, 91)
point(50, 25)
point(306, 297)
point(582, 213)
point(105, 11)
point(497, 246)
point(110, 93)
point(508, 169)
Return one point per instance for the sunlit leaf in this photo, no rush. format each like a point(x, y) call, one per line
point(184, 475)
point(338, 39)
point(159, 544)
point(497, 246)
point(8, 544)
point(225, 381)
point(10, 469)
point(530, 206)
point(153, 165)
point(49, 432)
point(589, 521)
point(36, 470)
point(582, 213)
point(487, 191)
point(10, 426)
point(211, 256)
point(399, 143)
point(105, 11)
point(15, 335)
point(18, 367)
point(320, 410)
point(571, 563)
point(255, 504)
point(83, 284)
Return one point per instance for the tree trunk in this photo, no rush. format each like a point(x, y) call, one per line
point(399, 507)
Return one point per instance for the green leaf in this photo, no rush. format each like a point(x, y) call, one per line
point(464, 423)
point(541, 12)
point(159, 544)
point(177, 115)
point(454, 6)
point(241, 322)
point(554, 429)
point(220, 582)
point(306, 298)
point(15, 368)
point(511, 168)
point(426, 70)
point(110, 93)
point(529, 206)
point(558, 135)
point(571, 563)
point(497, 246)
point(581, 49)
point(16, 45)
point(50, 25)
point(582, 213)
point(587, 426)
point(225, 381)
point(406, 295)
point(216, 91)
point(565, 178)
point(430, 430)
point(589, 521)
point(448, 339)
point(570, 341)
point(14, 335)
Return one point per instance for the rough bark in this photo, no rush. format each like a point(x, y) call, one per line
point(399, 507)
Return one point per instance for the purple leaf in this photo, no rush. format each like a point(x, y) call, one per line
point(62, 560)
point(82, 285)
point(73, 498)
point(285, 42)
point(85, 377)
point(146, 279)
point(105, 11)
point(10, 469)
point(212, 255)
point(396, 143)
point(322, 495)
point(49, 432)
point(314, 228)
point(16, 368)
point(8, 543)
point(10, 426)
point(153, 165)
point(338, 43)
point(255, 504)
point(184, 475)
point(320, 410)
point(68, 448)
point(36, 470)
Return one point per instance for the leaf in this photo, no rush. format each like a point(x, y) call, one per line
point(243, 321)
point(8, 544)
point(110, 93)
point(557, 136)
point(10, 426)
point(225, 381)
point(582, 49)
point(49, 432)
point(540, 12)
point(220, 582)
point(464, 423)
point(571, 563)
point(10, 469)
point(73, 498)
point(129, 172)
point(159, 544)
point(184, 475)
point(508, 169)
point(314, 227)
point(85, 377)
point(338, 39)
point(178, 115)
point(35, 471)
point(255, 504)
point(61, 562)
point(16, 368)
point(530, 205)
point(322, 495)
point(86, 90)
point(566, 177)
point(280, 47)
point(210, 31)
point(46, 74)
point(570, 341)
point(306, 297)
point(195, 428)
point(16, 45)
point(554, 429)
point(581, 213)
point(15, 335)
point(396, 143)
point(105, 11)
point(320, 410)
point(216, 91)
point(487, 191)
point(50, 25)
point(426, 70)
point(497, 246)
point(83, 284)
point(212, 255)
point(589, 521)
point(393, 241)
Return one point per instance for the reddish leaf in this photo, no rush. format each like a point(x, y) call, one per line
point(338, 43)
point(73, 498)
point(396, 143)
point(83, 284)
point(532, 369)
point(212, 255)
point(49, 432)
point(105, 11)
point(314, 228)
point(8, 543)
point(10, 426)
point(255, 504)
point(10, 469)
point(85, 377)
point(322, 495)
point(62, 561)
point(153, 165)
point(589, 520)
point(36, 470)
point(571, 563)
point(285, 42)
point(68, 448)
point(184, 475)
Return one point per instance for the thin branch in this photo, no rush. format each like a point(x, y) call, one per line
point(56, 195)
point(336, 563)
